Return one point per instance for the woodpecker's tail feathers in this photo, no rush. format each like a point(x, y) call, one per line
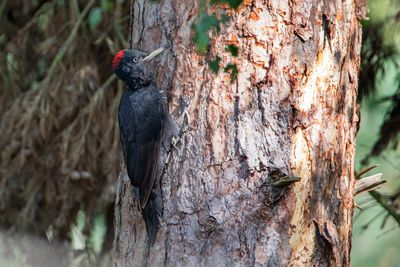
point(151, 215)
point(137, 196)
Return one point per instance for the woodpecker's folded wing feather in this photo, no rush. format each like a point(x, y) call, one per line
point(141, 143)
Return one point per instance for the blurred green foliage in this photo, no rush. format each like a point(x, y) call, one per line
point(233, 49)
point(231, 3)
point(214, 64)
point(95, 17)
point(201, 30)
point(203, 27)
point(233, 70)
point(376, 236)
point(372, 245)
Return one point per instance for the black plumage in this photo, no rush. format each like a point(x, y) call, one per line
point(141, 116)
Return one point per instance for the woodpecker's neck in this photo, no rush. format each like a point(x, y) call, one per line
point(135, 83)
point(135, 76)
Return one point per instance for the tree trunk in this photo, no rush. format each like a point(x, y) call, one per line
point(291, 111)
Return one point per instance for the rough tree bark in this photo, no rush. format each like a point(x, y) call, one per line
point(291, 111)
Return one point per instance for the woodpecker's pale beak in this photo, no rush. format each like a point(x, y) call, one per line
point(154, 54)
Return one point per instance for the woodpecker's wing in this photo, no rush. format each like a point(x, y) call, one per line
point(141, 119)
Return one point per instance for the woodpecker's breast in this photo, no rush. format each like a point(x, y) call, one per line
point(141, 118)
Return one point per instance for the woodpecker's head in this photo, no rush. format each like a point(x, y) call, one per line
point(129, 66)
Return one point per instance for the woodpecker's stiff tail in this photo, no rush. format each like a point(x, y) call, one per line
point(151, 215)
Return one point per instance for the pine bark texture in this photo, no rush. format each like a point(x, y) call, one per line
point(291, 111)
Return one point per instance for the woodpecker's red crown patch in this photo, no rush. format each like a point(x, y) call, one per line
point(117, 59)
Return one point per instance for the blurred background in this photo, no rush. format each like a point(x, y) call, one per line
point(59, 145)
point(376, 234)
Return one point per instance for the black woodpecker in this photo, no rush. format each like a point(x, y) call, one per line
point(141, 116)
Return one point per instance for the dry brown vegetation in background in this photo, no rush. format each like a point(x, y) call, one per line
point(59, 144)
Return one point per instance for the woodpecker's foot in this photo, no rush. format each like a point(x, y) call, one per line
point(162, 223)
point(174, 141)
